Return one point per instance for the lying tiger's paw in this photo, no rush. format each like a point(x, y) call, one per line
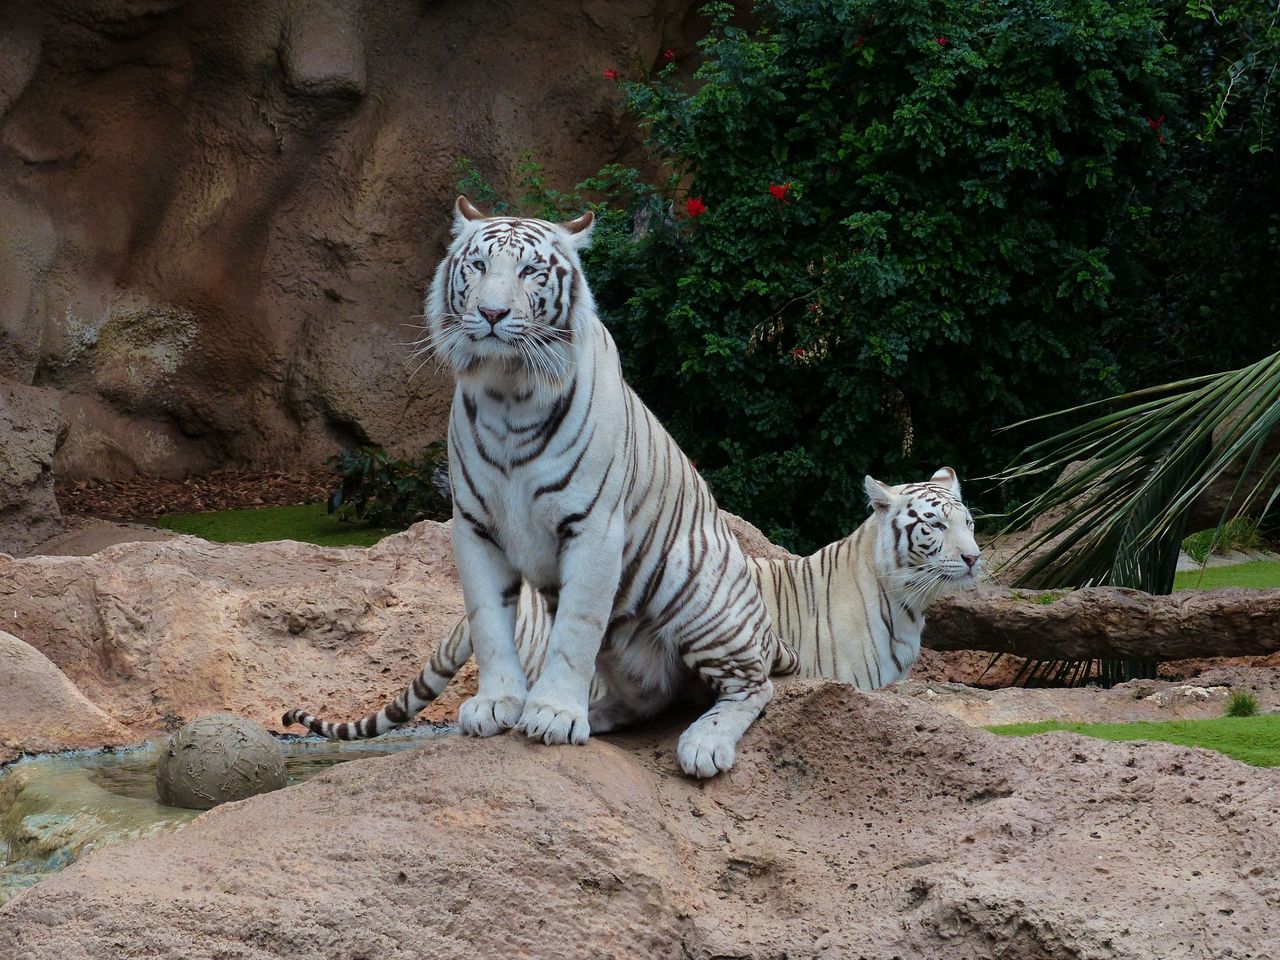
point(485, 716)
point(704, 751)
point(552, 723)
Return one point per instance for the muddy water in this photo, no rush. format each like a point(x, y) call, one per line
point(55, 808)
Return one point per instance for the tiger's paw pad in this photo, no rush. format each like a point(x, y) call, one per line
point(486, 716)
point(704, 753)
point(554, 724)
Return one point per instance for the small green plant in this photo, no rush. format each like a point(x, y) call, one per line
point(384, 492)
point(1242, 704)
point(1238, 534)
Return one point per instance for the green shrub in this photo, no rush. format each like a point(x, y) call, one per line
point(1241, 704)
point(1238, 534)
point(384, 492)
point(889, 229)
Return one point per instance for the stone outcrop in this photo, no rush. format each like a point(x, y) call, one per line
point(31, 430)
point(40, 709)
point(220, 219)
point(155, 633)
point(852, 825)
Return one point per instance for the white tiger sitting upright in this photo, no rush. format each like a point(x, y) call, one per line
point(854, 611)
point(566, 482)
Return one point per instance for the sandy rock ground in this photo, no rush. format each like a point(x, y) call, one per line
point(853, 825)
point(1136, 700)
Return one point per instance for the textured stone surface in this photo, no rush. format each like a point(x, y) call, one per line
point(165, 631)
point(40, 709)
point(853, 825)
point(219, 218)
point(31, 430)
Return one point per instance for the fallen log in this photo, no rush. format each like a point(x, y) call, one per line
point(1111, 622)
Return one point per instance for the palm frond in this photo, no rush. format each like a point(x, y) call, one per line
point(1120, 516)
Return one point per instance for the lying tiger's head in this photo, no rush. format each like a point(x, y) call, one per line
point(505, 295)
point(932, 529)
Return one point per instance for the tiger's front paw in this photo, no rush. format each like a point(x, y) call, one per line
point(485, 716)
point(704, 751)
point(554, 723)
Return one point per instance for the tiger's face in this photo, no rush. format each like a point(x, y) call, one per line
point(932, 529)
point(505, 295)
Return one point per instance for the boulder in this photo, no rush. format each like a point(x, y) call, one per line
point(41, 709)
point(155, 633)
point(852, 825)
point(31, 430)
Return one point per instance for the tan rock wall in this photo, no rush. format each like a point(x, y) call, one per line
point(219, 217)
point(31, 429)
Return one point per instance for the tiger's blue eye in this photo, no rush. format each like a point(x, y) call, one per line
point(477, 265)
point(528, 271)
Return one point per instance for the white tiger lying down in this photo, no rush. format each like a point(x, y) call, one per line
point(854, 611)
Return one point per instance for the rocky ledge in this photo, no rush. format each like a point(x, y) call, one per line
point(853, 825)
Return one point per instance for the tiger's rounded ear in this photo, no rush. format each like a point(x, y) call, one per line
point(463, 213)
point(579, 229)
point(880, 496)
point(946, 478)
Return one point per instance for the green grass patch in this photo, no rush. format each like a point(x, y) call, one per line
point(1257, 574)
point(310, 523)
point(1253, 740)
point(1238, 534)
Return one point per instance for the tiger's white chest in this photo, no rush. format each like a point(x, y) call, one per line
point(531, 491)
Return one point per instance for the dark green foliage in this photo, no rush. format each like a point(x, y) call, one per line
point(384, 492)
point(890, 228)
point(940, 264)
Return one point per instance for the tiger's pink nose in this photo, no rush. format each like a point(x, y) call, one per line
point(493, 316)
point(970, 558)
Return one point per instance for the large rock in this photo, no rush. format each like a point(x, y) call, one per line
point(157, 632)
point(852, 825)
point(31, 430)
point(219, 219)
point(41, 709)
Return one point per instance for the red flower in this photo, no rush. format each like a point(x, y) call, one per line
point(669, 56)
point(694, 207)
point(612, 74)
point(1155, 123)
point(799, 353)
point(779, 191)
point(941, 41)
point(857, 44)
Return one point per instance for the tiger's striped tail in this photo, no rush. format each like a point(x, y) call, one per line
point(444, 664)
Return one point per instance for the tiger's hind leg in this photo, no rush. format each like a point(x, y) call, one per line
point(740, 679)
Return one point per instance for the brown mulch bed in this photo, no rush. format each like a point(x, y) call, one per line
point(143, 498)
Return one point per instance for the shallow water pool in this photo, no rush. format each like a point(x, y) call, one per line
point(55, 808)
